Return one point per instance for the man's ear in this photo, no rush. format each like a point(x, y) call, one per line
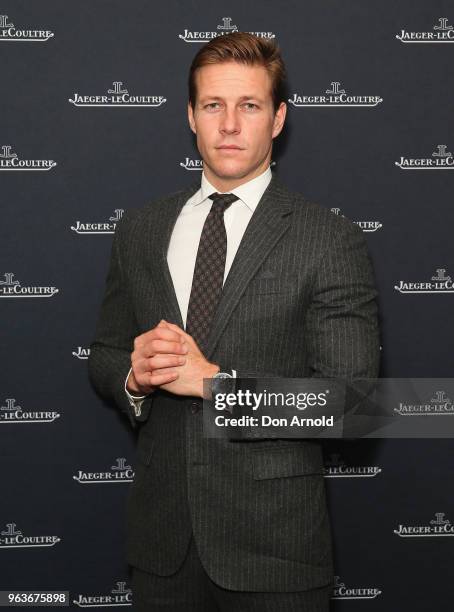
point(279, 119)
point(191, 118)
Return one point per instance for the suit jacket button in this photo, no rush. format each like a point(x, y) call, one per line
point(195, 407)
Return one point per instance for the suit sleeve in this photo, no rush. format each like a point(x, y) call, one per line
point(110, 352)
point(341, 322)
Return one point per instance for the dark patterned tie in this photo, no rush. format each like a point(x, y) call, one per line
point(209, 270)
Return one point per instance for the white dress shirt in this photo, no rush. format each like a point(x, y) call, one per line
point(184, 242)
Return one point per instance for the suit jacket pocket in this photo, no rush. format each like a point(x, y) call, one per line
point(299, 459)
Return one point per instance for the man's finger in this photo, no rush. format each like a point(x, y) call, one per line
point(165, 361)
point(162, 332)
point(177, 329)
point(164, 346)
point(162, 378)
point(186, 338)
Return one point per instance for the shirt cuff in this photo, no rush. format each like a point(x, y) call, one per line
point(136, 401)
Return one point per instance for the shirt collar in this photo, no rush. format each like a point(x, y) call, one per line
point(250, 192)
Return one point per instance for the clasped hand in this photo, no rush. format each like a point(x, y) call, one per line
point(169, 358)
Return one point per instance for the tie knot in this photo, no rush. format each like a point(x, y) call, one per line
point(221, 201)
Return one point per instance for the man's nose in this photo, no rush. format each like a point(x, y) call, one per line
point(230, 122)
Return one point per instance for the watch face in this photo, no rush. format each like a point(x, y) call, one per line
point(223, 383)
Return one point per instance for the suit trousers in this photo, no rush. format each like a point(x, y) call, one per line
point(190, 589)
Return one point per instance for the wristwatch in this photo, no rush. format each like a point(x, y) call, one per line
point(222, 375)
point(222, 382)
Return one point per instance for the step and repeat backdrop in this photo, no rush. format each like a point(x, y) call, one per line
point(92, 123)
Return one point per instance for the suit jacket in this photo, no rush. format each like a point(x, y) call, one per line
point(299, 301)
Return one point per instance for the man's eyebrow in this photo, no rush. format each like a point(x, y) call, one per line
point(242, 98)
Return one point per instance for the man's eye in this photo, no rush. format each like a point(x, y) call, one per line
point(215, 105)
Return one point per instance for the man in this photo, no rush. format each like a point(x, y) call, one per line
point(237, 276)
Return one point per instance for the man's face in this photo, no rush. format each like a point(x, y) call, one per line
point(234, 121)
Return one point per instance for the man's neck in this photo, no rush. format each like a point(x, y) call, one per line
point(224, 185)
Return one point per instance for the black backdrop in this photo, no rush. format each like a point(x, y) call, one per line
point(67, 458)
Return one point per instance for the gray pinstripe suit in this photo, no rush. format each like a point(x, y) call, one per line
point(299, 301)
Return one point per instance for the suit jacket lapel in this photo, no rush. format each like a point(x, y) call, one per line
point(162, 231)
